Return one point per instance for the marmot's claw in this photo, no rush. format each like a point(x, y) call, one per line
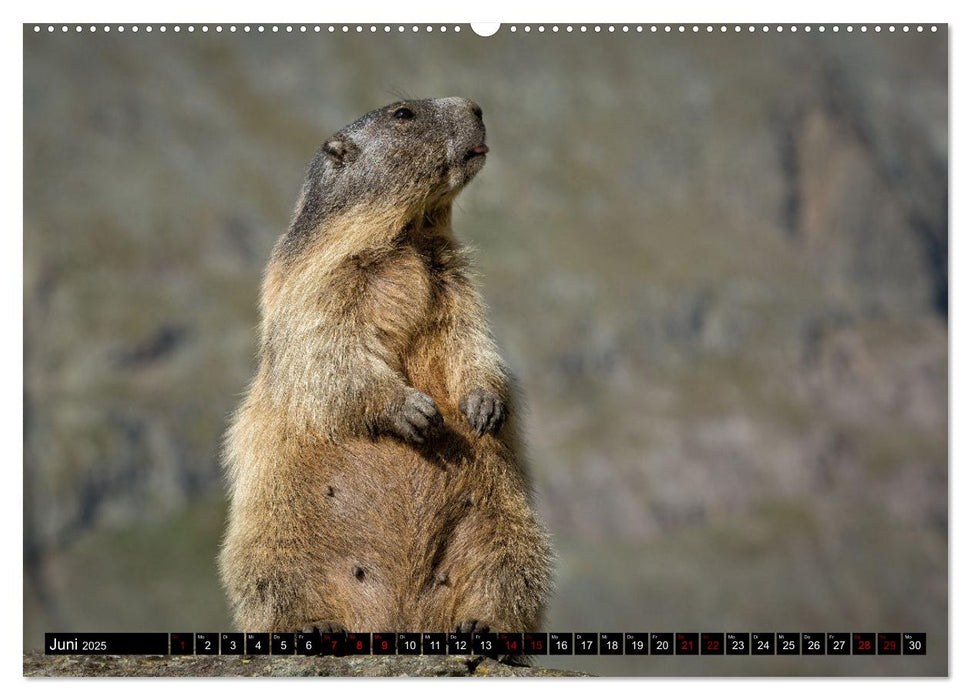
point(469, 626)
point(486, 411)
point(418, 417)
point(323, 627)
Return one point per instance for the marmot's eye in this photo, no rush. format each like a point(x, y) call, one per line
point(404, 113)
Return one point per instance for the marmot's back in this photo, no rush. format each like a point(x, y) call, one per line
point(375, 484)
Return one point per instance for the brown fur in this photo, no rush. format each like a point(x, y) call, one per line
point(344, 514)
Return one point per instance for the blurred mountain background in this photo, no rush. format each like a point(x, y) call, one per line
point(716, 262)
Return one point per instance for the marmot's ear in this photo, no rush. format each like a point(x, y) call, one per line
point(340, 150)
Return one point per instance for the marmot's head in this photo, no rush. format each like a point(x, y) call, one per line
point(414, 152)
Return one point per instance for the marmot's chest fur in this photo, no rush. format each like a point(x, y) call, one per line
point(375, 480)
point(407, 293)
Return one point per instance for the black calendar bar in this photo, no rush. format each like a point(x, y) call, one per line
point(57, 643)
point(688, 644)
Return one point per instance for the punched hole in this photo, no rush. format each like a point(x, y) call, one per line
point(485, 28)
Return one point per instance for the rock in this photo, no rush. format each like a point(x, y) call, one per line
point(38, 664)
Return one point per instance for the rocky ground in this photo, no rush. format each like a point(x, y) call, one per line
point(37, 664)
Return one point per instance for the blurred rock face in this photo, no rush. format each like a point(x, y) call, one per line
point(718, 267)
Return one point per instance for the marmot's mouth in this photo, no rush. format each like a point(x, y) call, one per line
point(479, 150)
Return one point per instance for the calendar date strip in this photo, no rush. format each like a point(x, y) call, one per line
point(491, 644)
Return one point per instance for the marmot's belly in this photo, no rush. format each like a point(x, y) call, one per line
point(404, 525)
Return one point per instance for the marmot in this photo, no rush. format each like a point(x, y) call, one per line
point(374, 478)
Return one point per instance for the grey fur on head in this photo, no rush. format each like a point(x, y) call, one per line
point(413, 153)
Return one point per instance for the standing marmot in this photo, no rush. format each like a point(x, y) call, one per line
point(374, 480)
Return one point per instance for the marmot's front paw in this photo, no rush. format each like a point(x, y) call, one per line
point(417, 418)
point(486, 411)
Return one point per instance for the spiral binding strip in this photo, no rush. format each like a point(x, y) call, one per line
point(512, 29)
